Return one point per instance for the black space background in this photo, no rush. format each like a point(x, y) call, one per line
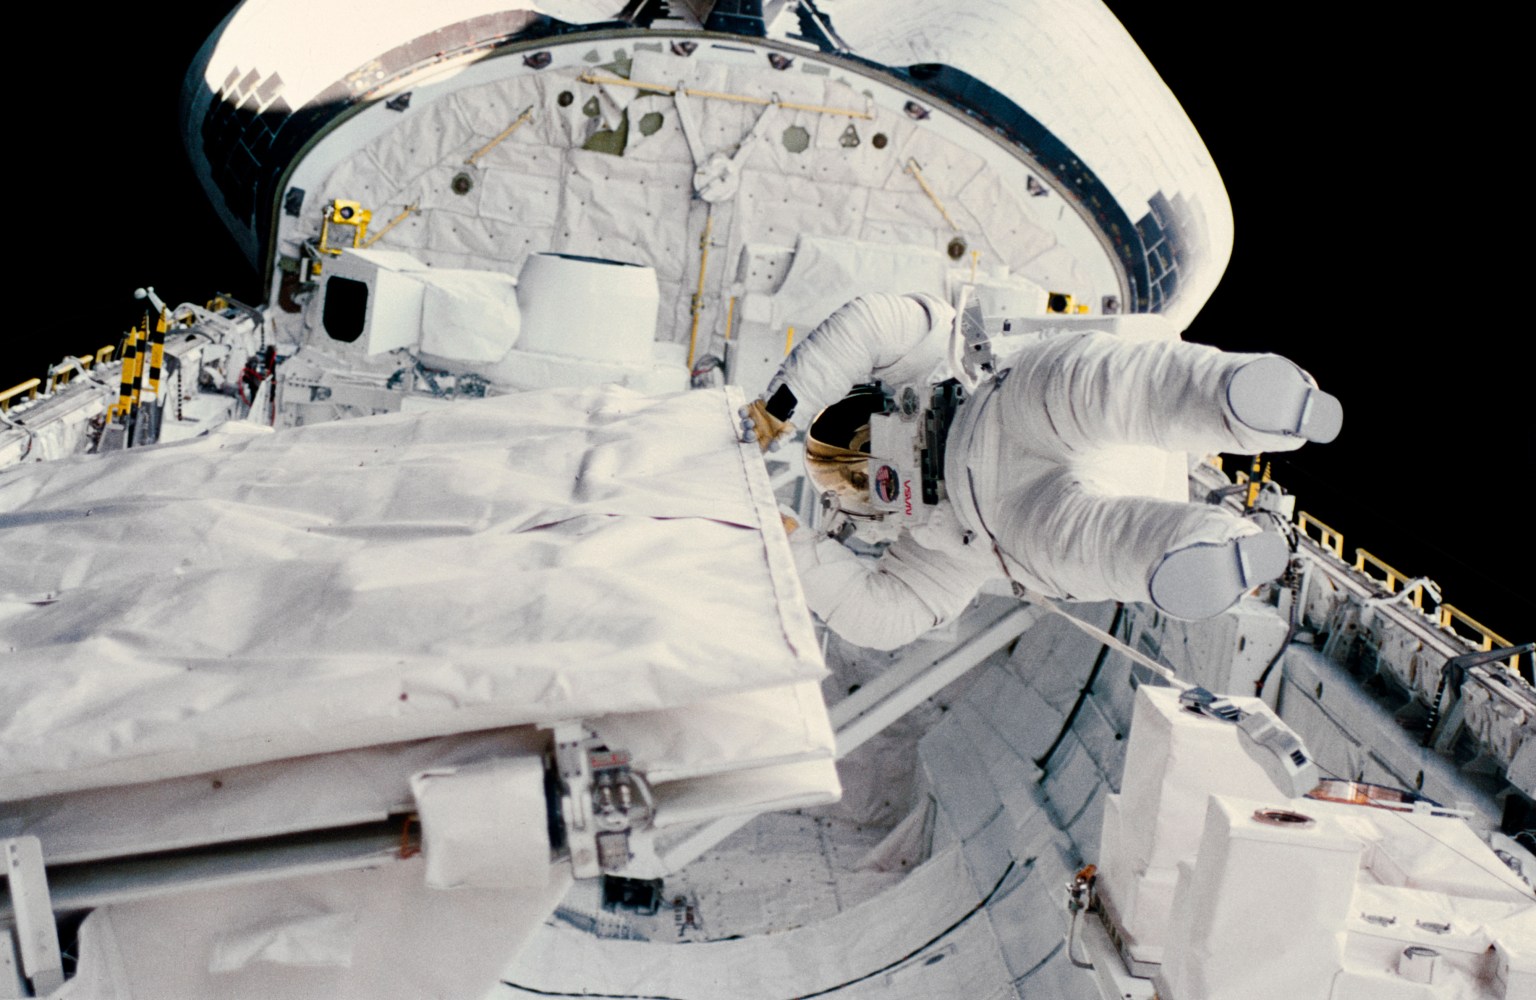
point(1368, 209)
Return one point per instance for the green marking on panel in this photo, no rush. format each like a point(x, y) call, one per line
point(610, 140)
point(620, 65)
point(796, 139)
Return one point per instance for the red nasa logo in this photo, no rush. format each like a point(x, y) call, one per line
point(886, 483)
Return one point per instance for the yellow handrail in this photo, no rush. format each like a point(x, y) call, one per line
point(103, 355)
point(29, 387)
point(1327, 537)
point(1486, 638)
point(1393, 576)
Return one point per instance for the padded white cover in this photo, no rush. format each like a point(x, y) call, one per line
point(483, 825)
point(255, 596)
point(468, 316)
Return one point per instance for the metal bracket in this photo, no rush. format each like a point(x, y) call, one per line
point(603, 802)
point(1271, 743)
point(716, 176)
point(970, 343)
point(36, 935)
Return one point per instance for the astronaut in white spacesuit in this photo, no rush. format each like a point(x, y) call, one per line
point(1039, 467)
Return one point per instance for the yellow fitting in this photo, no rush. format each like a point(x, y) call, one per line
point(342, 212)
point(789, 341)
point(156, 351)
point(1254, 483)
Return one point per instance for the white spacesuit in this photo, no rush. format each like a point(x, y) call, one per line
point(1045, 468)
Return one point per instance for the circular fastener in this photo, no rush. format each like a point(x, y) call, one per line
point(462, 183)
point(565, 98)
point(956, 248)
point(880, 140)
point(1283, 817)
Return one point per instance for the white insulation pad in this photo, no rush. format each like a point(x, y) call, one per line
point(253, 596)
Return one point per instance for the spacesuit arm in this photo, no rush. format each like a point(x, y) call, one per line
point(869, 337)
point(889, 602)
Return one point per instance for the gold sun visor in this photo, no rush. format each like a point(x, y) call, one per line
point(842, 471)
point(837, 451)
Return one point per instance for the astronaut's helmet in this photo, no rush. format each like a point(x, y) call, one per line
point(837, 451)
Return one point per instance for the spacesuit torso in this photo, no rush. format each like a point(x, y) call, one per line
point(1063, 473)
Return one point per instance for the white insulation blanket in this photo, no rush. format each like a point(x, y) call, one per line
point(252, 596)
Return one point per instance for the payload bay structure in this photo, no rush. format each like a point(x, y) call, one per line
point(471, 222)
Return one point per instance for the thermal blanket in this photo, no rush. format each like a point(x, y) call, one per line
point(256, 595)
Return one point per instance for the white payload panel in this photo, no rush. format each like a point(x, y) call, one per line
point(254, 596)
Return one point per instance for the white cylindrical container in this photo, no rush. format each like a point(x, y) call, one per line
point(583, 307)
point(1418, 964)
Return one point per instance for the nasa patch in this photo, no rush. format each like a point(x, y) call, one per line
point(887, 484)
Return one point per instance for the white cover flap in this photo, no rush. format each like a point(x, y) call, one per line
point(468, 316)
